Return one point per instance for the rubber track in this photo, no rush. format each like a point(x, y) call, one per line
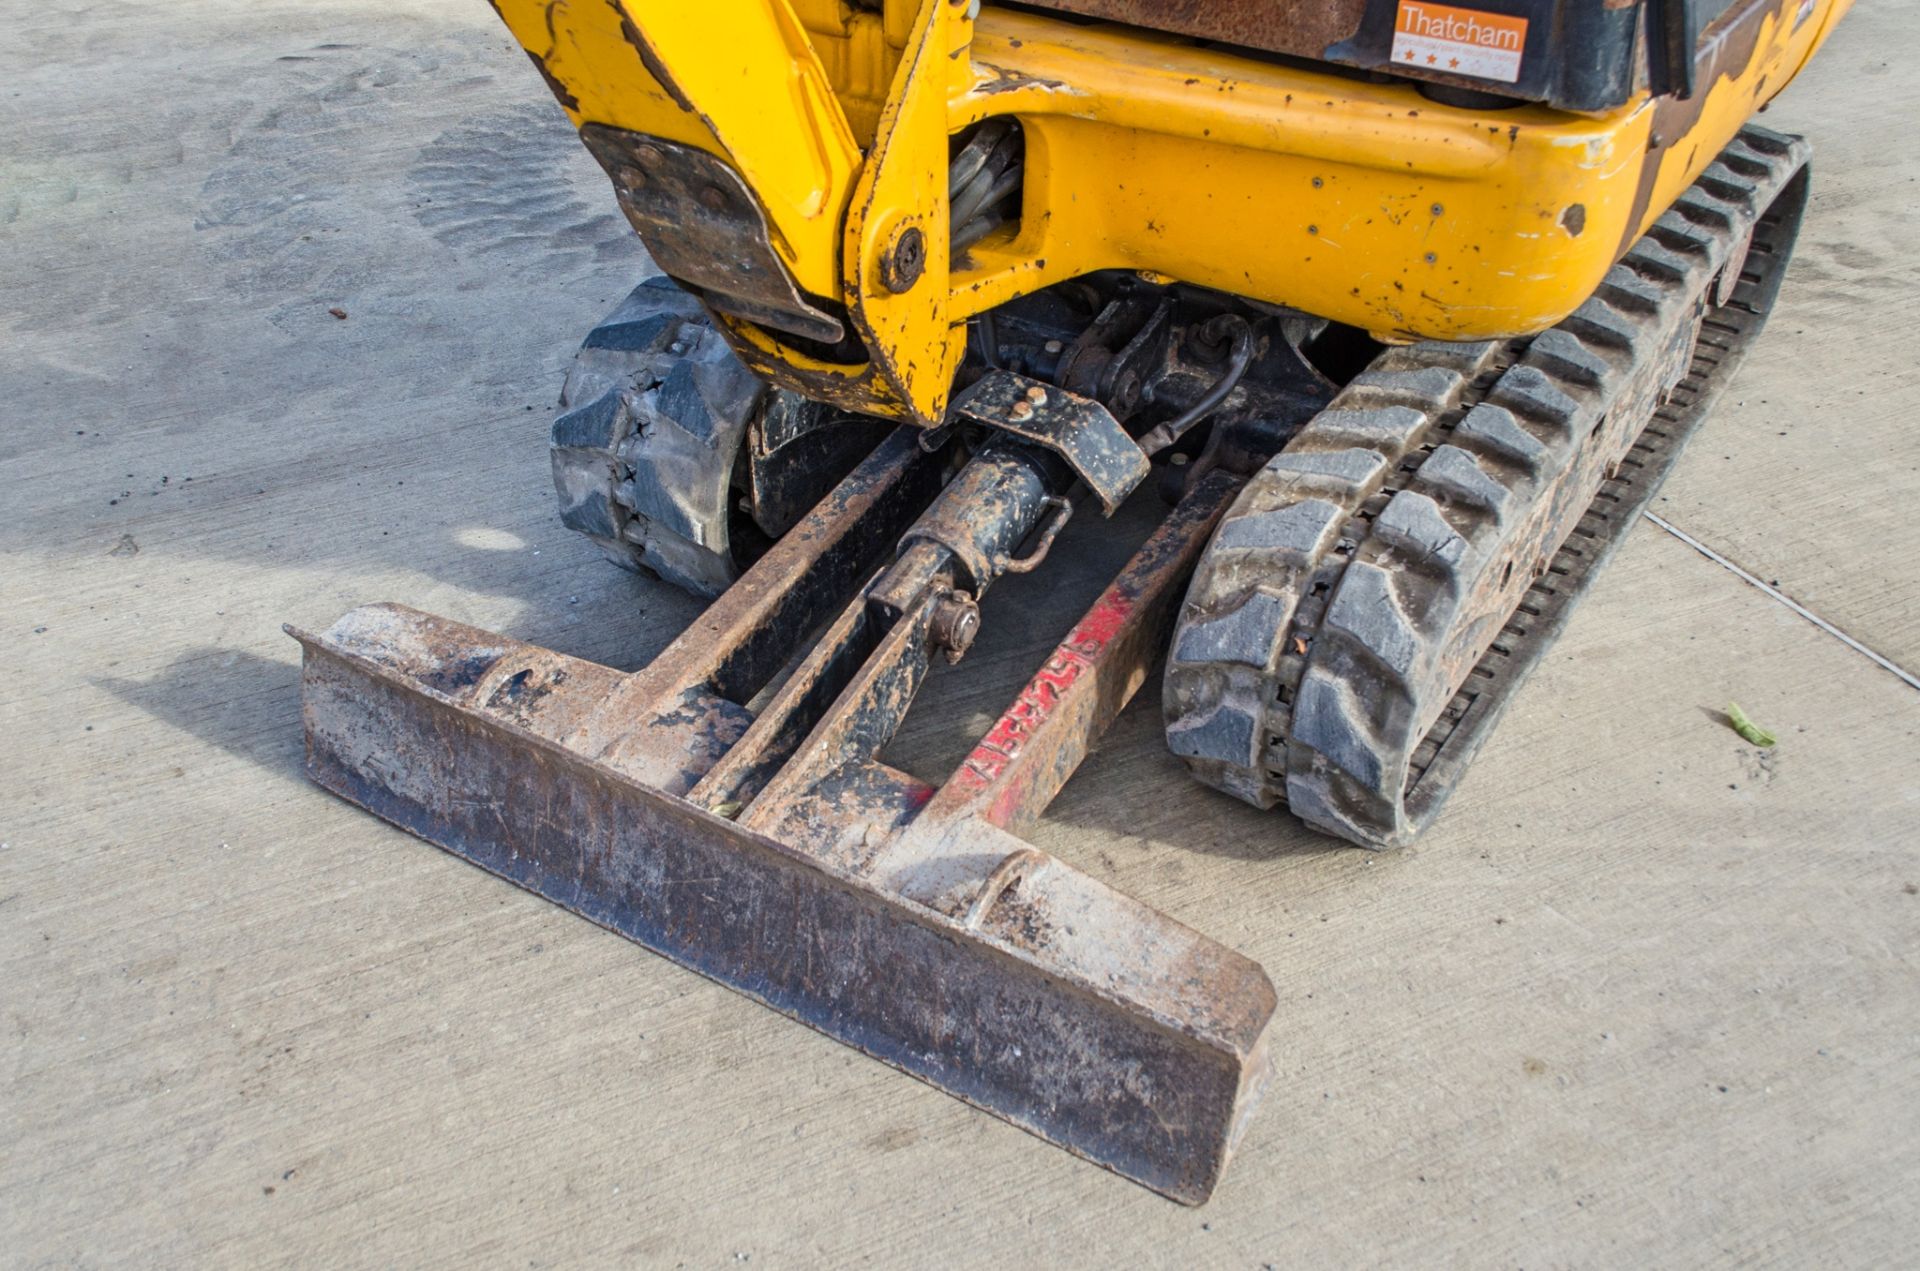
point(1382, 586)
point(653, 411)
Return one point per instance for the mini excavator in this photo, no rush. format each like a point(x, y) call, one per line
point(1402, 308)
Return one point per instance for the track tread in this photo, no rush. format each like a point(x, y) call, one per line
point(653, 410)
point(1352, 675)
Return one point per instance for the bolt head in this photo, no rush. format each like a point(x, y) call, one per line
point(905, 261)
point(956, 621)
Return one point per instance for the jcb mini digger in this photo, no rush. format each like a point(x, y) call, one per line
point(1403, 307)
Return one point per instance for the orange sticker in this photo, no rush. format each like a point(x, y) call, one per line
point(1439, 37)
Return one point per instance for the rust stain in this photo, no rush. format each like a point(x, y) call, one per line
point(995, 80)
point(1301, 30)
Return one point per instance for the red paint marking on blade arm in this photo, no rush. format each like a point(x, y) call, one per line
point(1038, 701)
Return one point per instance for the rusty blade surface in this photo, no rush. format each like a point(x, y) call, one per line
point(1028, 990)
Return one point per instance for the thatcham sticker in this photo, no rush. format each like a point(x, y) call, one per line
point(1438, 37)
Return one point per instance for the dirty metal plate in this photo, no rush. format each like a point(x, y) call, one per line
point(1079, 429)
point(705, 229)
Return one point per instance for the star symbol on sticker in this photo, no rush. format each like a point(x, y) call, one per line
point(1409, 55)
point(1431, 59)
point(1453, 61)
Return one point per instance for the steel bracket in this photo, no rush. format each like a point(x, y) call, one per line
point(1079, 429)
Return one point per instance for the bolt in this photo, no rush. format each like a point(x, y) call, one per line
point(1438, 210)
point(1037, 395)
point(648, 155)
point(1054, 346)
point(905, 261)
point(713, 198)
point(1021, 411)
point(956, 621)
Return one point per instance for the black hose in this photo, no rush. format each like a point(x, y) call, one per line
point(975, 230)
point(965, 201)
point(989, 339)
point(974, 155)
point(1238, 359)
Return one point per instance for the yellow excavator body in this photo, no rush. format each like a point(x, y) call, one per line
point(1356, 200)
point(1405, 308)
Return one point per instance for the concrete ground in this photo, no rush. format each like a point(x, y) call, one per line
point(1645, 995)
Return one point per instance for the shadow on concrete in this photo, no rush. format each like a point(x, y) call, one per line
point(1102, 797)
point(245, 704)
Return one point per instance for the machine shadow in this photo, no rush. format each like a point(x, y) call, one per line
point(244, 704)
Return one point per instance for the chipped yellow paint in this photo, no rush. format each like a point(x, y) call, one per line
point(1692, 132)
point(1361, 202)
point(914, 342)
point(657, 68)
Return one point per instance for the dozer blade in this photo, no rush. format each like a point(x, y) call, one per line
point(787, 862)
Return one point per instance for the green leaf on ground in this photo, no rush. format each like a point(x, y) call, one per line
point(1747, 728)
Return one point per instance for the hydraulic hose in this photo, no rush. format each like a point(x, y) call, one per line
point(1239, 357)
